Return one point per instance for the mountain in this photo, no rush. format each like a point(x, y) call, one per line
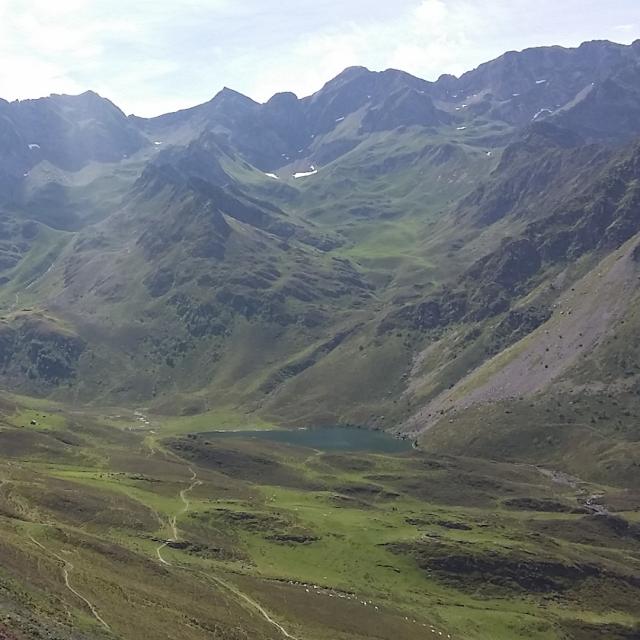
point(356, 256)
point(68, 132)
point(455, 262)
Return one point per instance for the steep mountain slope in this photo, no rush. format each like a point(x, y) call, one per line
point(617, 97)
point(289, 134)
point(556, 298)
point(519, 87)
point(65, 131)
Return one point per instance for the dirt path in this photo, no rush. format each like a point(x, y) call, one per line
point(150, 443)
point(173, 524)
point(67, 568)
point(183, 496)
point(173, 521)
point(252, 603)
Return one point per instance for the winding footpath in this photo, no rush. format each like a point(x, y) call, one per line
point(173, 524)
point(67, 568)
point(255, 605)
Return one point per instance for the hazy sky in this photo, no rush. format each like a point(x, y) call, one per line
point(154, 56)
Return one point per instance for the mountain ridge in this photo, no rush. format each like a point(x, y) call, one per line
point(295, 260)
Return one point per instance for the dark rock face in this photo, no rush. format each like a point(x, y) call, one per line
point(291, 538)
point(540, 577)
point(198, 223)
point(493, 571)
point(38, 354)
point(578, 630)
point(159, 282)
point(517, 324)
point(285, 116)
point(68, 131)
point(354, 89)
point(200, 159)
point(619, 526)
point(618, 97)
point(485, 290)
point(456, 526)
point(520, 85)
point(530, 168)
point(283, 129)
point(512, 264)
point(200, 319)
point(601, 219)
point(444, 308)
point(533, 504)
point(405, 108)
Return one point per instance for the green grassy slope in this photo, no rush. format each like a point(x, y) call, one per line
point(163, 534)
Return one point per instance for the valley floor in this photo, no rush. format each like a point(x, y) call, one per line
point(119, 527)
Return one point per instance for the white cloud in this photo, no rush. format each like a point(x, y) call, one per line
point(25, 76)
point(429, 38)
point(151, 56)
point(627, 28)
point(432, 13)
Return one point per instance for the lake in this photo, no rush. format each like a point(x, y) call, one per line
point(324, 439)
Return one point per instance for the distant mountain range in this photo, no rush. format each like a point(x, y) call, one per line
point(457, 260)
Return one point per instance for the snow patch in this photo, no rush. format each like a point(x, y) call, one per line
point(461, 128)
point(340, 119)
point(33, 146)
point(157, 143)
point(489, 154)
point(305, 174)
point(540, 81)
point(272, 175)
point(515, 95)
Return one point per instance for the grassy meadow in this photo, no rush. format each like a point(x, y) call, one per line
point(128, 525)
